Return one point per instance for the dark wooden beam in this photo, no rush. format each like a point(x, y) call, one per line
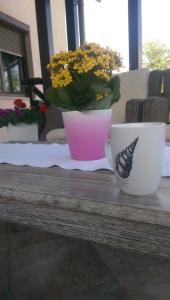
point(72, 21)
point(135, 34)
point(44, 26)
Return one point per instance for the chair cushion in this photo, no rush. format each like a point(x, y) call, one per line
point(156, 109)
point(166, 83)
point(133, 85)
point(56, 135)
point(134, 110)
point(155, 83)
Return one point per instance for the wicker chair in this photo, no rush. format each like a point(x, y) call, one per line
point(53, 115)
point(53, 121)
point(156, 107)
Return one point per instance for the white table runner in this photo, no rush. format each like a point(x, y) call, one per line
point(48, 155)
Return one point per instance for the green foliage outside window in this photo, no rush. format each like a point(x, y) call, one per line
point(156, 55)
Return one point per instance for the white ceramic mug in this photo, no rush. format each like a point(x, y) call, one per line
point(135, 152)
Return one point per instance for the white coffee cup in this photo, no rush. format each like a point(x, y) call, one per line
point(135, 151)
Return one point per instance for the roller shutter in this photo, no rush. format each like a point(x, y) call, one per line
point(11, 40)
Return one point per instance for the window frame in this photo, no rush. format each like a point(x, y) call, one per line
point(27, 57)
point(75, 29)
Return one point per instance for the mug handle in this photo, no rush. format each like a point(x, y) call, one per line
point(108, 153)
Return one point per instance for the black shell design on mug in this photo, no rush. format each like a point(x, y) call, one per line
point(124, 160)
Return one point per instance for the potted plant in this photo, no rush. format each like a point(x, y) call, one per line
point(84, 88)
point(21, 123)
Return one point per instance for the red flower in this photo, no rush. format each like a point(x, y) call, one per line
point(19, 103)
point(42, 107)
point(23, 105)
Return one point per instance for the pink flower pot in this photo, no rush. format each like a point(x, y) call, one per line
point(87, 133)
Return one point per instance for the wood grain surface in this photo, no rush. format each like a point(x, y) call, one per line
point(86, 205)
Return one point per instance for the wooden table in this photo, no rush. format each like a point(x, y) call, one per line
point(86, 205)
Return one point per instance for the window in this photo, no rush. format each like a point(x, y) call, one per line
point(12, 51)
point(155, 34)
point(11, 73)
point(106, 23)
point(13, 56)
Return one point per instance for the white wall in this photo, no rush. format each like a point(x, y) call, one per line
point(133, 84)
point(59, 25)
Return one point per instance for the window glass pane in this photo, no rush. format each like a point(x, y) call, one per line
point(106, 23)
point(11, 73)
point(155, 33)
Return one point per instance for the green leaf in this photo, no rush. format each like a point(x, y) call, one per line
point(105, 103)
point(114, 85)
point(60, 97)
point(75, 97)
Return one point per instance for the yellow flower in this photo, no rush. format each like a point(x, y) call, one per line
point(51, 66)
point(85, 65)
point(63, 78)
point(102, 74)
point(84, 69)
point(99, 96)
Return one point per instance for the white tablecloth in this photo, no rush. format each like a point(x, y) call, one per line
point(47, 155)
